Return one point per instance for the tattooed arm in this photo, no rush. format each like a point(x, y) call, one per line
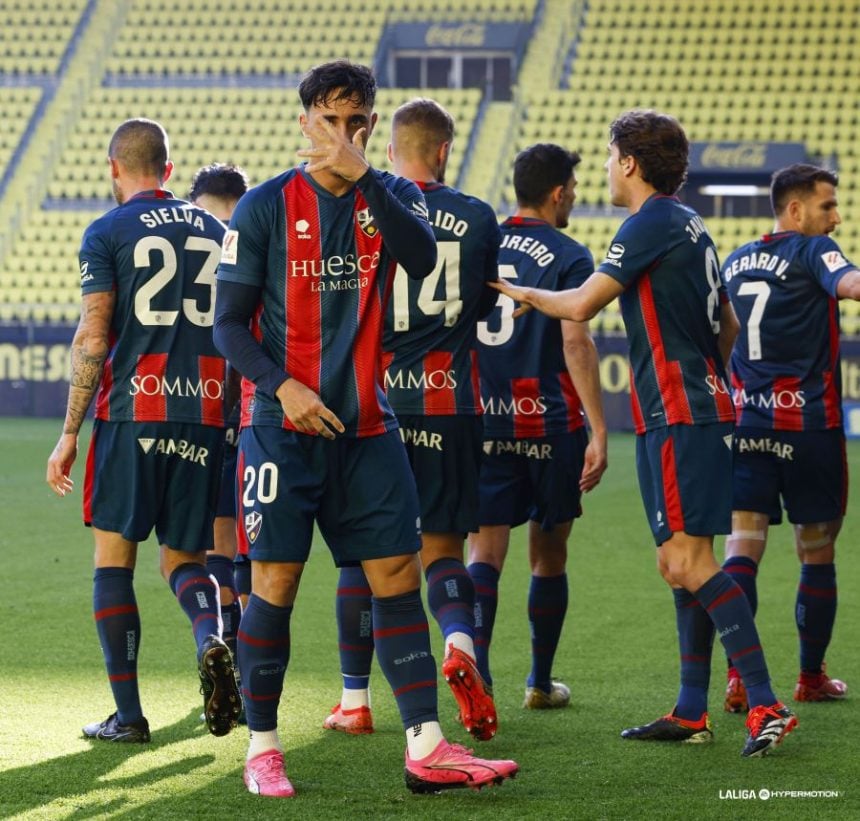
point(88, 353)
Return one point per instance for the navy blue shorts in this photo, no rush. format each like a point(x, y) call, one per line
point(804, 471)
point(532, 479)
point(227, 491)
point(360, 492)
point(445, 455)
point(685, 477)
point(162, 475)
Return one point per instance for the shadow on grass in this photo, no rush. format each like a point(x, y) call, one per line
point(25, 789)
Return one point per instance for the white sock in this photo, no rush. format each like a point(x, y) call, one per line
point(351, 699)
point(262, 740)
point(422, 739)
point(462, 641)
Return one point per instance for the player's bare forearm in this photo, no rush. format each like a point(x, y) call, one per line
point(582, 361)
point(89, 351)
point(729, 329)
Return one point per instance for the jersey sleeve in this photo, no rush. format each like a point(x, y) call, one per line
point(493, 239)
point(633, 251)
point(98, 269)
point(823, 258)
point(245, 247)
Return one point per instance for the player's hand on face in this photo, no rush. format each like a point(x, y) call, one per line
point(304, 408)
point(331, 151)
point(60, 463)
point(516, 293)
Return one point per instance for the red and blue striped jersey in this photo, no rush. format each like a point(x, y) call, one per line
point(326, 276)
point(526, 389)
point(160, 255)
point(786, 372)
point(430, 324)
point(667, 263)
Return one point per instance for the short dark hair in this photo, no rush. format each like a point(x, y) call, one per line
point(797, 179)
point(435, 124)
point(539, 169)
point(141, 146)
point(338, 80)
point(658, 144)
point(219, 179)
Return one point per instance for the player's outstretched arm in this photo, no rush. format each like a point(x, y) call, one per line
point(89, 350)
point(849, 286)
point(577, 304)
point(729, 329)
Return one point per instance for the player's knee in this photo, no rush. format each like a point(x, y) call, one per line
point(276, 582)
point(749, 535)
point(815, 543)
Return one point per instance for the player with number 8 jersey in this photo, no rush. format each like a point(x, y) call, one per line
point(163, 365)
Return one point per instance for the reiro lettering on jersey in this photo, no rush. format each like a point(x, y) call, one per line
point(524, 406)
point(406, 379)
point(449, 222)
point(529, 246)
point(334, 266)
point(761, 261)
point(153, 385)
point(163, 216)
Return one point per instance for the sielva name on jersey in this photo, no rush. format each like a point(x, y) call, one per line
point(164, 216)
point(181, 447)
point(530, 247)
point(408, 380)
point(769, 400)
point(153, 385)
point(524, 406)
point(335, 266)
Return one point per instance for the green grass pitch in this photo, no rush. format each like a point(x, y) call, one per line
point(618, 653)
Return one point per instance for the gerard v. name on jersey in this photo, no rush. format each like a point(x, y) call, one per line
point(761, 261)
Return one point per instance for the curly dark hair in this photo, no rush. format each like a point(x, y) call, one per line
point(800, 178)
point(219, 180)
point(658, 144)
point(338, 80)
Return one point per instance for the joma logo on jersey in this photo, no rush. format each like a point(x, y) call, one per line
point(152, 385)
point(525, 406)
point(365, 221)
point(779, 400)
point(182, 448)
point(302, 227)
point(334, 266)
point(407, 380)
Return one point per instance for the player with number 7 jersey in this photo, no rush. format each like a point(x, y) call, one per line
point(160, 255)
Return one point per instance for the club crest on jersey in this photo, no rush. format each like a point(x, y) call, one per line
point(253, 523)
point(365, 221)
point(834, 261)
point(229, 247)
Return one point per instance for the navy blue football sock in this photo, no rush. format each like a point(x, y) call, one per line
point(354, 612)
point(744, 571)
point(196, 594)
point(118, 626)
point(696, 641)
point(221, 568)
point(264, 653)
point(486, 580)
point(815, 613)
point(403, 647)
point(547, 609)
point(730, 612)
point(242, 577)
point(451, 597)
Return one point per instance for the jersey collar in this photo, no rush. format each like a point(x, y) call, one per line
point(153, 194)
